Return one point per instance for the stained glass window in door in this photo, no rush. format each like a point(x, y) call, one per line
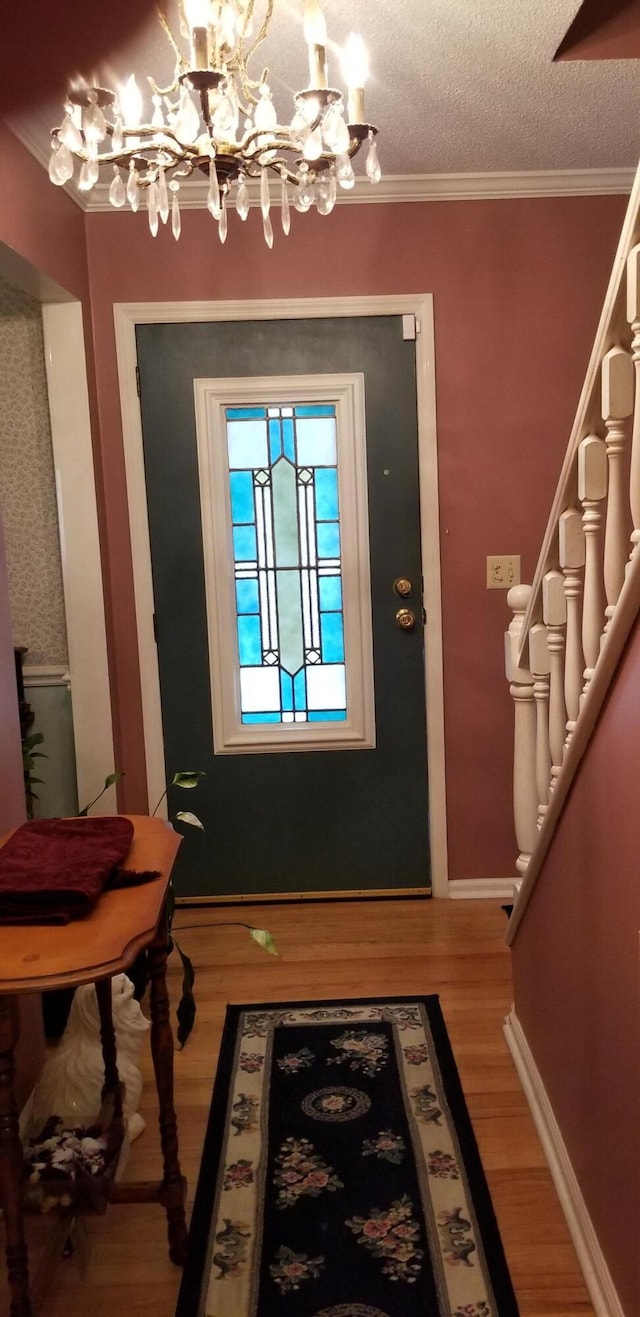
point(285, 514)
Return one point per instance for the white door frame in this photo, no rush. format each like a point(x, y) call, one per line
point(129, 314)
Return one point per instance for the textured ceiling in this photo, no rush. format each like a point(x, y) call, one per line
point(456, 86)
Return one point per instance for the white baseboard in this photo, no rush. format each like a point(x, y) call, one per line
point(585, 1241)
point(482, 888)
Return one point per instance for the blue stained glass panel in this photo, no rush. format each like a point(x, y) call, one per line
point(245, 547)
point(245, 413)
point(247, 598)
point(327, 493)
point(275, 440)
point(328, 539)
point(241, 487)
point(300, 690)
point(249, 640)
point(332, 633)
point(330, 593)
point(261, 717)
point(328, 716)
point(289, 437)
point(316, 409)
point(286, 688)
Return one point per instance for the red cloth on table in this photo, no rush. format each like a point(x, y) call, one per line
point(54, 870)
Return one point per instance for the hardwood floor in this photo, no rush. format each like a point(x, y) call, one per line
point(453, 948)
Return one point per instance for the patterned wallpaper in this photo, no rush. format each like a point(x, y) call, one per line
point(27, 483)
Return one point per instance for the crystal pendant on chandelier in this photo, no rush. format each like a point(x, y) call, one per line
point(213, 195)
point(374, 172)
point(89, 175)
point(285, 213)
point(326, 194)
point(335, 132)
point(117, 191)
point(222, 222)
point(71, 135)
point(176, 222)
point(152, 207)
point(344, 172)
point(133, 187)
point(155, 137)
point(163, 197)
point(94, 123)
point(60, 165)
point(242, 198)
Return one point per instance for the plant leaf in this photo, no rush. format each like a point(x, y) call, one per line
point(36, 738)
point(192, 819)
point(264, 939)
point(186, 1012)
point(111, 780)
point(187, 779)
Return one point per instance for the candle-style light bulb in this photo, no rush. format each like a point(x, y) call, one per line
point(315, 35)
point(130, 98)
point(355, 71)
point(198, 14)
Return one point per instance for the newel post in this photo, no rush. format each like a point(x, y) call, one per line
point(525, 791)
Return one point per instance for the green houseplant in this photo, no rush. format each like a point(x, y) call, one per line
point(186, 1011)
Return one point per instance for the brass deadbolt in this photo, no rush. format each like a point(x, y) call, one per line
point(403, 587)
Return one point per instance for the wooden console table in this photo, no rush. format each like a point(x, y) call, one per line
point(36, 958)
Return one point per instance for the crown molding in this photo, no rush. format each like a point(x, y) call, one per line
point(490, 186)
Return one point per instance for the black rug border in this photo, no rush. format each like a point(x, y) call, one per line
point(192, 1277)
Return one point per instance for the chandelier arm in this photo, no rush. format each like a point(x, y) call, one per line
point(180, 59)
point(243, 57)
point(163, 91)
point(279, 137)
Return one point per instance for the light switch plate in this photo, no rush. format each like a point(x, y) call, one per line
point(503, 571)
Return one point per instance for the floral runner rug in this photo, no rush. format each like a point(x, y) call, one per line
point(340, 1175)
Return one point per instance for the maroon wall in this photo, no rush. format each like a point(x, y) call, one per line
point(518, 287)
point(576, 962)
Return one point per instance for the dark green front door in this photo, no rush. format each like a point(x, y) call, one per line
point(302, 822)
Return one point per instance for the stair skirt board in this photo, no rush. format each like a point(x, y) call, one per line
point(585, 1241)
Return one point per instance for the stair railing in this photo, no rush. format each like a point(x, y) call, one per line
point(570, 627)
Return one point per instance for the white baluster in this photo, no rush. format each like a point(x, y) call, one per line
point(572, 552)
point(592, 487)
point(554, 613)
point(525, 794)
point(617, 406)
point(633, 316)
point(540, 669)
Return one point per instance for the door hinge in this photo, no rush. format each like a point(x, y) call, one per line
point(138, 390)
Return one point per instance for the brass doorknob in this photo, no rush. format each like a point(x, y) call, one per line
point(405, 619)
point(402, 586)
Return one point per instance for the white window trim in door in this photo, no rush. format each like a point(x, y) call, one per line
point(129, 314)
point(212, 397)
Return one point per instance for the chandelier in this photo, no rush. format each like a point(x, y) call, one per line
point(218, 122)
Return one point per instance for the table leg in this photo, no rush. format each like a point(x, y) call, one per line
point(173, 1185)
point(11, 1164)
